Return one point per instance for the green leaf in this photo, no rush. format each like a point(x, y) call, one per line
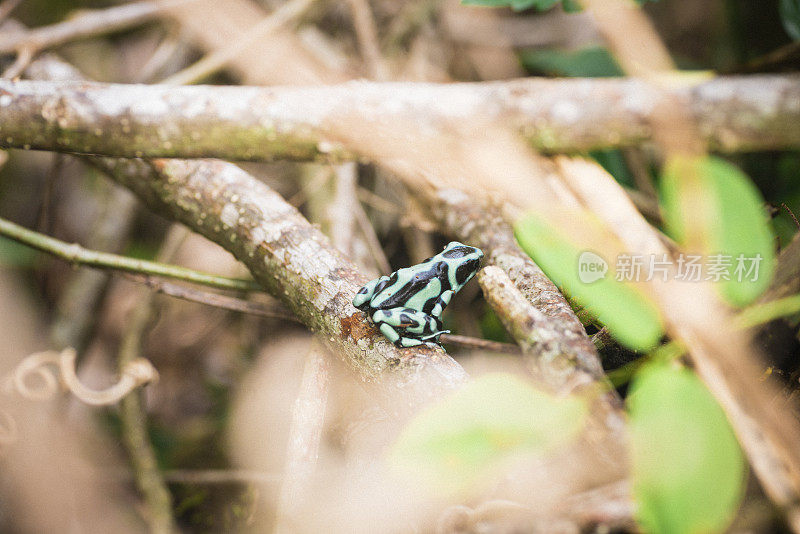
point(453, 444)
point(688, 469)
point(726, 212)
point(631, 317)
point(790, 17)
point(590, 62)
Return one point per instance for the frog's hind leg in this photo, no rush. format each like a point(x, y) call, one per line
point(390, 333)
point(432, 330)
point(408, 342)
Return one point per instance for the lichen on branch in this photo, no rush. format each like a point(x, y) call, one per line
point(295, 123)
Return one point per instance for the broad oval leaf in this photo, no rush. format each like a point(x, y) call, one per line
point(688, 469)
point(715, 202)
point(456, 442)
point(632, 318)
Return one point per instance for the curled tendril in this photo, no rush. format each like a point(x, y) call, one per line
point(136, 373)
point(36, 365)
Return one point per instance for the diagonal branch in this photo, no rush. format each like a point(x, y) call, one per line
point(294, 261)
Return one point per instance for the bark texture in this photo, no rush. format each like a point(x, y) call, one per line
point(255, 123)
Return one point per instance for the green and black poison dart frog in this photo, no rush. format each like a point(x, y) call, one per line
point(407, 305)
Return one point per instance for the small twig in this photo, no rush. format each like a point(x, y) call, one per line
point(213, 299)
point(317, 182)
point(344, 206)
point(379, 203)
point(74, 253)
point(791, 214)
point(87, 24)
point(480, 344)
point(371, 239)
point(412, 16)
point(163, 53)
point(218, 59)
point(367, 35)
point(773, 61)
point(24, 57)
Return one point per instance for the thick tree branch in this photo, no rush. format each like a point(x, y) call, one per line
point(250, 123)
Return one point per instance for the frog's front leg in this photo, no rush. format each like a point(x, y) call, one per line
point(365, 294)
point(441, 303)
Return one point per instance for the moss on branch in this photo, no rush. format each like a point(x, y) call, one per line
point(257, 123)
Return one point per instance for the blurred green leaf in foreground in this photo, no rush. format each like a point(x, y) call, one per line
point(455, 443)
point(688, 469)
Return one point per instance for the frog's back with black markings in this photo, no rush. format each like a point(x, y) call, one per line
point(418, 287)
point(407, 285)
